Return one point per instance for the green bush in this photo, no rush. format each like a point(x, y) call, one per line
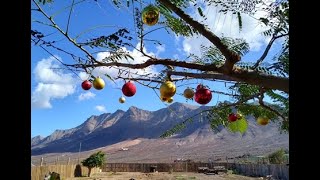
point(277, 157)
point(95, 160)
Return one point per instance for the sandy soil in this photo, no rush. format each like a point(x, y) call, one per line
point(162, 176)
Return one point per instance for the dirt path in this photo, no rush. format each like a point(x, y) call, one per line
point(162, 176)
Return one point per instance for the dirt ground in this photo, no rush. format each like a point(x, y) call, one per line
point(162, 176)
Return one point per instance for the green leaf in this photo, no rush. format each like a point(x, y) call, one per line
point(109, 77)
point(239, 21)
point(200, 11)
point(264, 21)
point(116, 3)
point(240, 125)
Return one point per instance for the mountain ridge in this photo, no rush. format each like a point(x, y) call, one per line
point(109, 129)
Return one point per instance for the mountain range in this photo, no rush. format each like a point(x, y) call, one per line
point(133, 136)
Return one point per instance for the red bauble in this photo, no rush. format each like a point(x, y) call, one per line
point(129, 89)
point(86, 85)
point(203, 95)
point(199, 86)
point(232, 117)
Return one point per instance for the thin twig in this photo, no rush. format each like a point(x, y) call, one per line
point(59, 49)
point(58, 59)
point(141, 32)
point(265, 53)
point(231, 57)
point(153, 31)
point(268, 107)
point(96, 27)
point(68, 37)
point(40, 22)
point(69, 17)
point(58, 11)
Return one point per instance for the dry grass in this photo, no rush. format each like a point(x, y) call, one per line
point(161, 176)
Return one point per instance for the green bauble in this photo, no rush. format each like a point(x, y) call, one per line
point(241, 125)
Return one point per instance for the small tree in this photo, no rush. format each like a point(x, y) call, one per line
point(277, 157)
point(95, 160)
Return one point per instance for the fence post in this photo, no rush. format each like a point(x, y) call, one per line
point(41, 162)
point(186, 166)
point(57, 159)
point(68, 160)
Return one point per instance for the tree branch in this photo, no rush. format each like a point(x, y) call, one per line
point(143, 35)
point(174, 80)
point(69, 17)
point(269, 108)
point(62, 32)
point(254, 78)
point(57, 59)
point(231, 57)
point(154, 61)
point(265, 53)
point(240, 101)
point(148, 79)
point(140, 79)
point(250, 77)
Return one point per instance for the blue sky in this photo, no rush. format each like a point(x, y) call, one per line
point(57, 100)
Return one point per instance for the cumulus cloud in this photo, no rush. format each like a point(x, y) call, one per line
point(101, 108)
point(227, 25)
point(86, 96)
point(52, 83)
point(160, 49)
point(83, 75)
point(138, 58)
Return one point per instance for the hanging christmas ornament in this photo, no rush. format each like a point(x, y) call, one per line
point(122, 100)
point(98, 83)
point(86, 85)
point(203, 95)
point(129, 89)
point(188, 93)
point(167, 89)
point(150, 15)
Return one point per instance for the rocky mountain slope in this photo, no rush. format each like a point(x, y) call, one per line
point(139, 130)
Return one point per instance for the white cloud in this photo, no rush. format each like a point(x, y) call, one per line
point(138, 58)
point(49, 71)
point(187, 45)
point(176, 56)
point(86, 96)
point(101, 108)
point(83, 75)
point(160, 49)
point(53, 83)
point(228, 26)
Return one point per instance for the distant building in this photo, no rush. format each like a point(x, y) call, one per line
point(124, 149)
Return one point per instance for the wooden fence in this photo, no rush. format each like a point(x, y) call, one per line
point(278, 171)
point(65, 171)
point(160, 167)
point(55, 160)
